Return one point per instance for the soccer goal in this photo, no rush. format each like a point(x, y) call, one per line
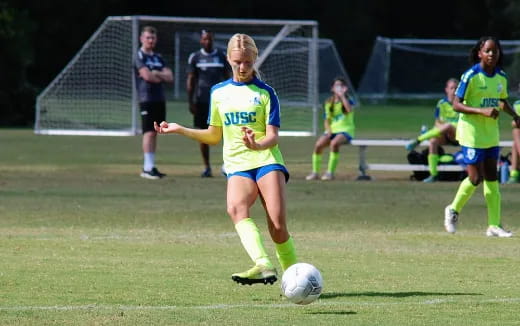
point(419, 68)
point(95, 93)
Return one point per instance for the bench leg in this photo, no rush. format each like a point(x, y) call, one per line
point(363, 164)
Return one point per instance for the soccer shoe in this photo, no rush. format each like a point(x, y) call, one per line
point(153, 174)
point(206, 173)
point(312, 176)
point(411, 145)
point(327, 176)
point(497, 231)
point(451, 218)
point(257, 274)
point(430, 179)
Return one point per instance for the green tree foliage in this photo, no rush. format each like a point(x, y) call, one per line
point(38, 38)
point(16, 93)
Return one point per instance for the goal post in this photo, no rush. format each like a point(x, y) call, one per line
point(418, 68)
point(95, 93)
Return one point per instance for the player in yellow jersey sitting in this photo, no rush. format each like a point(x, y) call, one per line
point(339, 129)
point(443, 132)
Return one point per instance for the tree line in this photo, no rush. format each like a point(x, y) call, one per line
point(38, 38)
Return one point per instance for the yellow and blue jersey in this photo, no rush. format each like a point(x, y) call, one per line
point(444, 112)
point(479, 90)
point(339, 121)
point(254, 105)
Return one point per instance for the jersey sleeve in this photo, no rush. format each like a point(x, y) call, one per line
point(139, 62)
point(463, 85)
point(191, 68)
point(213, 116)
point(503, 93)
point(326, 110)
point(273, 105)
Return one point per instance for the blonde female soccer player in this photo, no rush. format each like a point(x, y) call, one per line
point(480, 96)
point(443, 132)
point(245, 112)
point(339, 129)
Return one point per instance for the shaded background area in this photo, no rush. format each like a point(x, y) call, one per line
point(38, 38)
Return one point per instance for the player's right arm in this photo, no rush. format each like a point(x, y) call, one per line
point(210, 136)
point(463, 108)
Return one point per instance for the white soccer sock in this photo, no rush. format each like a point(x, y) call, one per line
point(149, 161)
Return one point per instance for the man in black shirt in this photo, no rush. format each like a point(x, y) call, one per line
point(206, 67)
point(150, 74)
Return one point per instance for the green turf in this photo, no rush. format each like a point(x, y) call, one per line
point(85, 241)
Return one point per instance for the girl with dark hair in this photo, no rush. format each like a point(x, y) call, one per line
point(479, 98)
point(339, 129)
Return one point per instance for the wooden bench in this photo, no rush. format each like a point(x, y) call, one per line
point(363, 166)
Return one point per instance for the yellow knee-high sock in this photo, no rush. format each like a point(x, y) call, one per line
point(333, 162)
point(252, 242)
point(286, 253)
point(434, 132)
point(316, 163)
point(433, 161)
point(492, 195)
point(466, 190)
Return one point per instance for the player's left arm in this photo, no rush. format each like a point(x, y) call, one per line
point(165, 74)
point(270, 139)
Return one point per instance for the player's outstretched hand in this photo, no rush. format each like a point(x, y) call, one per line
point(249, 138)
point(165, 127)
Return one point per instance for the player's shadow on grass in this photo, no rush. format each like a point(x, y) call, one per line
point(331, 295)
point(340, 312)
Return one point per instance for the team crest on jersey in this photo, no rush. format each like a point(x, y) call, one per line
point(152, 63)
point(256, 100)
point(500, 87)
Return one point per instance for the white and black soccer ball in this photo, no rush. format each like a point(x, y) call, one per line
point(302, 283)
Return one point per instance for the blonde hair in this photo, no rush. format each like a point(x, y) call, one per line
point(149, 29)
point(243, 42)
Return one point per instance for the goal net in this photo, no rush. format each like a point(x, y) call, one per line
point(95, 93)
point(419, 68)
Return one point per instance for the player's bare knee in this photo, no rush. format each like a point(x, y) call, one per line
point(235, 210)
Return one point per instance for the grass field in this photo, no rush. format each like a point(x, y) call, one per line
point(85, 241)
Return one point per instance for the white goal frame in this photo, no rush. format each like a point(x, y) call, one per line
point(376, 83)
point(44, 105)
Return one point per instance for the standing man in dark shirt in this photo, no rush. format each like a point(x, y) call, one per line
point(206, 67)
point(150, 73)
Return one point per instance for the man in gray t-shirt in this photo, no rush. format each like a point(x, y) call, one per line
point(150, 74)
point(206, 67)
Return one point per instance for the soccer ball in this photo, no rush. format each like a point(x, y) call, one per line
point(302, 283)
